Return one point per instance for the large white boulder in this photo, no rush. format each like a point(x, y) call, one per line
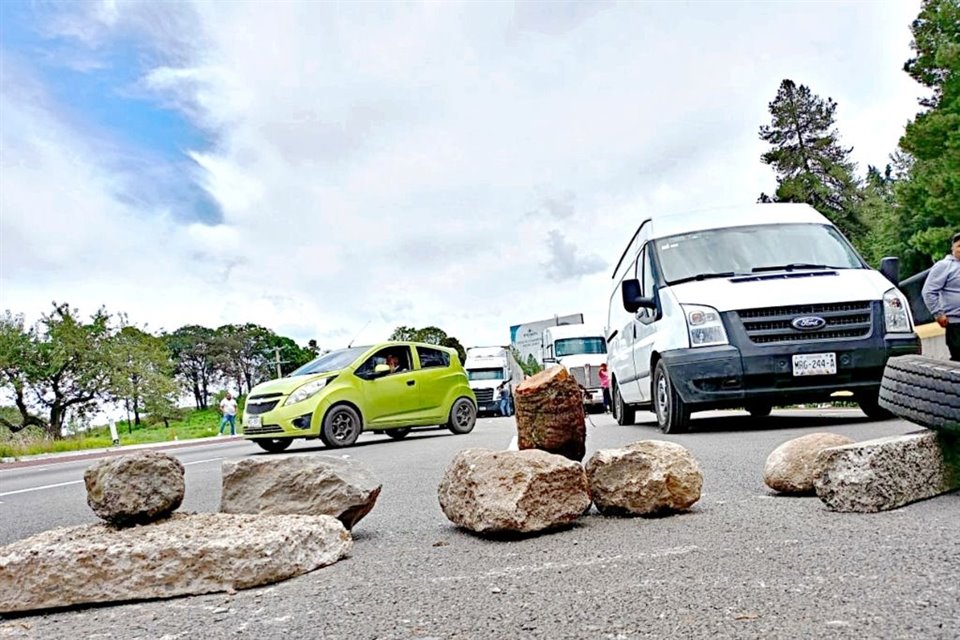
point(135, 488)
point(793, 466)
point(512, 491)
point(292, 484)
point(184, 554)
point(643, 478)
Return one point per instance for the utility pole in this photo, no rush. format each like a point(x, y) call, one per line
point(277, 352)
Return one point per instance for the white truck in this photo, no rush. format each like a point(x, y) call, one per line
point(487, 368)
point(581, 349)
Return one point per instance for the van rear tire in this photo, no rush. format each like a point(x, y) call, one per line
point(623, 413)
point(673, 414)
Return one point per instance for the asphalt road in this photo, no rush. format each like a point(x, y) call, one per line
point(742, 563)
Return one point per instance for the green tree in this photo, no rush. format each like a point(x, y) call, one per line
point(142, 371)
point(193, 350)
point(59, 366)
point(810, 163)
point(880, 213)
point(529, 366)
point(429, 335)
point(930, 197)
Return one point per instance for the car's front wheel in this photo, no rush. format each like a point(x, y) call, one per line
point(463, 416)
point(673, 414)
point(341, 427)
point(274, 445)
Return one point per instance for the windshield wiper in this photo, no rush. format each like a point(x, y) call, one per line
point(705, 276)
point(792, 266)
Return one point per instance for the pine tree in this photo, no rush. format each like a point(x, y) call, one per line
point(811, 164)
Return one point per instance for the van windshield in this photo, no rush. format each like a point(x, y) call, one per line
point(485, 374)
point(333, 361)
point(744, 250)
point(577, 346)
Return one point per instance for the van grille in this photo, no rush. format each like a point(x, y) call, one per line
point(845, 321)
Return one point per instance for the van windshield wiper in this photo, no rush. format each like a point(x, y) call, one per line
point(705, 276)
point(792, 266)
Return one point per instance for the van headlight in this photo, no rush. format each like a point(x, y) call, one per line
point(896, 316)
point(704, 325)
point(306, 391)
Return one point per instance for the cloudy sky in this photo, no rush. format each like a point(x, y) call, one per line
point(329, 169)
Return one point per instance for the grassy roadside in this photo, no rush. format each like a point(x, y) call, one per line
point(195, 424)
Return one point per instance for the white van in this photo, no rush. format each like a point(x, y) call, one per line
point(751, 307)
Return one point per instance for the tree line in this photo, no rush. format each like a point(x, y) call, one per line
point(909, 208)
point(65, 365)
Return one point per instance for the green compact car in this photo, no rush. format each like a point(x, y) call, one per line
point(389, 387)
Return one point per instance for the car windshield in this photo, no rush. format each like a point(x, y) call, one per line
point(333, 361)
point(485, 374)
point(577, 346)
point(745, 250)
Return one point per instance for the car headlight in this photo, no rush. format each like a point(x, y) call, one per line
point(704, 325)
point(896, 315)
point(306, 391)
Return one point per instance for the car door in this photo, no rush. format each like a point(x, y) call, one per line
point(645, 324)
point(434, 379)
point(391, 398)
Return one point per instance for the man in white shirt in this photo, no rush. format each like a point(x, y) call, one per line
point(941, 293)
point(228, 414)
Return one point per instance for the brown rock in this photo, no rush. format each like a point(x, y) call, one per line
point(295, 484)
point(792, 467)
point(549, 414)
point(184, 554)
point(643, 478)
point(135, 488)
point(512, 491)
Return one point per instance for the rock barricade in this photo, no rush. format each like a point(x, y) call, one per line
point(526, 491)
point(291, 484)
point(549, 414)
point(644, 478)
point(792, 467)
point(136, 488)
point(184, 554)
point(887, 473)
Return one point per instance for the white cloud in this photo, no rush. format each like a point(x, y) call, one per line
point(378, 163)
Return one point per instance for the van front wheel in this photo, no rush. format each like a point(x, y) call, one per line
point(673, 414)
point(622, 412)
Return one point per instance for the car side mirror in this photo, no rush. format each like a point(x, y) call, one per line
point(890, 269)
point(633, 299)
point(381, 370)
point(549, 360)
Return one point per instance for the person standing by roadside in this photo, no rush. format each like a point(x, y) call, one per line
point(941, 294)
point(604, 376)
point(506, 400)
point(228, 414)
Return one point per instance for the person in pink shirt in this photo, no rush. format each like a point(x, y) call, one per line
point(604, 386)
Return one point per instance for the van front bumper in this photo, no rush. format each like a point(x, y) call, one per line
point(726, 376)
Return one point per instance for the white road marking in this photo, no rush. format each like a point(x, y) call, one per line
point(46, 486)
point(513, 445)
point(21, 469)
point(202, 461)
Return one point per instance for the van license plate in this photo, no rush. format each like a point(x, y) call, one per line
point(814, 364)
point(254, 421)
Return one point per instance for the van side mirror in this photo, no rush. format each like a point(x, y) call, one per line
point(633, 299)
point(890, 269)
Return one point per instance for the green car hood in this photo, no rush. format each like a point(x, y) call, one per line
point(286, 386)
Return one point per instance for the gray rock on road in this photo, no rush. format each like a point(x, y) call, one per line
point(184, 554)
point(643, 478)
point(887, 473)
point(792, 467)
point(525, 491)
point(294, 484)
point(135, 489)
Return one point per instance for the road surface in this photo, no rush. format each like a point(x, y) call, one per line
point(741, 563)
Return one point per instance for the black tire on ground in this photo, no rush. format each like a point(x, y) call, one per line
point(398, 433)
point(924, 391)
point(759, 409)
point(463, 416)
point(623, 413)
point(274, 445)
point(870, 405)
point(341, 426)
point(673, 414)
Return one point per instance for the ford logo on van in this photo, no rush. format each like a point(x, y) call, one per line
point(808, 323)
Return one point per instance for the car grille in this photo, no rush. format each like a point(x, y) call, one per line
point(591, 381)
point(264, 428)
point(262, 403)
point(845, 320)
point(483, 395)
